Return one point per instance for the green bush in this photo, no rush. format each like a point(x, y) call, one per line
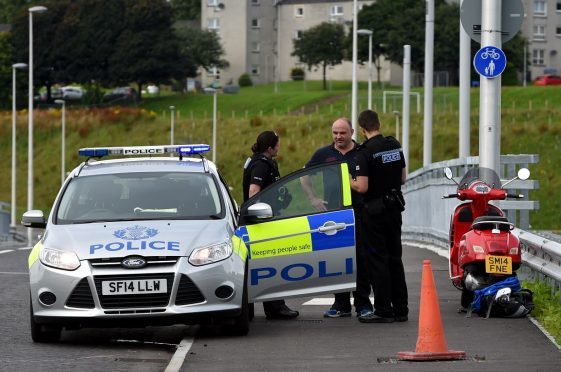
point(510, 75)
point(297, 73)
point(245, 80)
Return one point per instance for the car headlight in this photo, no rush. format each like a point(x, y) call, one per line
point(211, 253)
point(59, 259)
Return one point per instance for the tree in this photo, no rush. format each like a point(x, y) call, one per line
point(9, 9)
point(202, 48)
point(396, 23)
point(6, 62)
point(186, 9)
point(322, 45)
point(147, 50)
point(45, 25)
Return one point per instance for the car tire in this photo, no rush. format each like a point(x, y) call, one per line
point(241, 322)
point(38, 333)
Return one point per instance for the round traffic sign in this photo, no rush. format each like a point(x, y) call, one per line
point(489, 61)
point(512, 15)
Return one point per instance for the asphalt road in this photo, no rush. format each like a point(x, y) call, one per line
point(310, 343)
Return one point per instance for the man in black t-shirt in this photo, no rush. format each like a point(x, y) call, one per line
point(260, 171)
point(343, 148)
point(380, 174)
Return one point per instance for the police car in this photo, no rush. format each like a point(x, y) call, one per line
point(159, 240)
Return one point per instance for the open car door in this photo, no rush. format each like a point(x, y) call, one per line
point(296, 250)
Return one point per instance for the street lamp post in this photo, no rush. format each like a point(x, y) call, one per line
point(369, 33)
point(397, 114)
point(13, 207)
point(63, 137)
point(354, 87)
point(172, 118)
point(34, 9)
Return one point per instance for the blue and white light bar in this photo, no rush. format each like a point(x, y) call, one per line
point(181, 150)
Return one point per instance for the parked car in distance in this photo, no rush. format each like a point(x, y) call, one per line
point(152, 89)
point(548, 80)
point(71, 93)
point(121, 93)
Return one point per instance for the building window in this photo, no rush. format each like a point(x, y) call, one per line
point(538, 57)
point(214, 23)
point(540, 8)
point(299, 12)
point(255, 2)
point(539, 32)
point(255, 47)
point(336, 10)
point(558, 7)
point(255, 23)
point(212, 2)
point(558, 31)
point(298, 34)
point(255, 70)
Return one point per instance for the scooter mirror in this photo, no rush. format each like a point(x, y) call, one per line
point(523, 173)
point(448, 173)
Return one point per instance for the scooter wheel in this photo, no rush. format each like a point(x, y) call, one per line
point(467, 298)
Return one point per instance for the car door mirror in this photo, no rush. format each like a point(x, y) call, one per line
point(34, 218)
point(259, 212)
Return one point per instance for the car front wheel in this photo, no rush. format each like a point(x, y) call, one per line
point(38, 331)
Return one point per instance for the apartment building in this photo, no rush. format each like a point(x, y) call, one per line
point(257, 36)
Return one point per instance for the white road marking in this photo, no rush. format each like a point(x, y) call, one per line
point(182, 349)
point(6, 251)
point(326, 301)
point(24, 248)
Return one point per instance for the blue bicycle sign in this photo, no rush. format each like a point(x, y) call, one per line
point(489, 61)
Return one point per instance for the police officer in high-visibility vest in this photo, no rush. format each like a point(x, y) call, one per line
point(260, 171)
point(380, 174)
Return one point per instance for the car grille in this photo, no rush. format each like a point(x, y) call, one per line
point(81, 297)
point(134, 300)
point(188, 293)
point(150, 261)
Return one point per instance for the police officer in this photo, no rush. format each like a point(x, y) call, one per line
point(343, 148)
point(380, 174)
point(260, 171)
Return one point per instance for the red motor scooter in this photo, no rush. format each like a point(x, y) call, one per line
point(483, 249)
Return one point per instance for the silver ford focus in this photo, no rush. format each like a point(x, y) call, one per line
point(158, 240)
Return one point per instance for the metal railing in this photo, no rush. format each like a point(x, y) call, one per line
point(427, 216)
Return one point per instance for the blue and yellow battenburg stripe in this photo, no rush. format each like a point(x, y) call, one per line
point(297, 235)
point(239, 247)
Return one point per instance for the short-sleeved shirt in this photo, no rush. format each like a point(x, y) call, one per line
point(329, 154)
point(381, 160)
point(259, 170)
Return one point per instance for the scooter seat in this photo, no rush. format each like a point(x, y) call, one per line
point(491, 222)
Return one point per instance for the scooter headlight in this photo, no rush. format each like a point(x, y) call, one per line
point(59, 259)
point(478, 249)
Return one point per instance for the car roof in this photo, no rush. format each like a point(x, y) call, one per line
point(155, 164)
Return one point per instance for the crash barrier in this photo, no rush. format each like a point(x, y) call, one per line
point(427, 216)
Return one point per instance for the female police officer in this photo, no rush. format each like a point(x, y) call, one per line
point(260, 171)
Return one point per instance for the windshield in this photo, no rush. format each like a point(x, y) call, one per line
point(140, 196)
point(486, 175)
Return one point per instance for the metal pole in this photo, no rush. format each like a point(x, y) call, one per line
point(63, 145)
point(13, 206)
point(406, 109)
point(277, 69)
point(490, 96)
point(215, 102)
point(429, 71)
point(370, 71)
point(354, 84)
point(172, 124)
point(30, 129)
point(465, 99)
point(525, 66)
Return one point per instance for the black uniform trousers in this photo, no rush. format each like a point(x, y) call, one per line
point(382, 244)
point(362, 293)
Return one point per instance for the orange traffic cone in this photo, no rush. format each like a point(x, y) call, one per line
point(431, 342)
